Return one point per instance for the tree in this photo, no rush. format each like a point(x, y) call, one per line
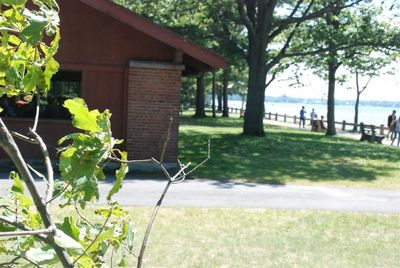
point(271, 26)
point(366, 64)
point(337, 38)
point(29, 35)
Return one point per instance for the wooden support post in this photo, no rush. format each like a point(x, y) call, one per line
point(269, 115)
point(382, 130)
point(295, 119)
point(276, 116)
point(284, 118)
point(344, 125)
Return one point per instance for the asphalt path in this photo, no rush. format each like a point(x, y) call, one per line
point(227, 194)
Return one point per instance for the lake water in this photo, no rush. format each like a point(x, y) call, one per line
point(368, 114)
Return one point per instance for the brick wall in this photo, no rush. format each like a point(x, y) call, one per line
point(153, 97)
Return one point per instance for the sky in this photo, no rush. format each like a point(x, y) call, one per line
point(383, 88)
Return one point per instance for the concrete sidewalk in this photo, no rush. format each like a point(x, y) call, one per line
point(226, 194)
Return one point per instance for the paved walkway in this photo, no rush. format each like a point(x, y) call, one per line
point(217, 194)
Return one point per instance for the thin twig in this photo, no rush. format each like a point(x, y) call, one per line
point(202, 163)
point(150, 225)
point(11, 30)
point(97, 236)
point(60, 193)
point(35, 123)
point(23, 233)
point(49, 167)
point(23, 137)
point(40, 175)
point(20, 226)
point(12, 262)
point(152, 219)
point(82, 217)
point(171, 121)
point(129, 251)
point(129, 161)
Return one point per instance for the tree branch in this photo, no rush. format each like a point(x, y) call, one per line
point(49, 167)
point(23, 138)
point(271, 80)
point(284, 26)
point(246, 20)
point(10, 147)
point(23, 233)
point(21, 227)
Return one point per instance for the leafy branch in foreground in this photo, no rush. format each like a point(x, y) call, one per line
point(30, 234)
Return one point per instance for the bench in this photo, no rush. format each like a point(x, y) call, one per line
point(368, 133)
point(317, 125)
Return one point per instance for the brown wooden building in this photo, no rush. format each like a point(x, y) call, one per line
point(123, 62)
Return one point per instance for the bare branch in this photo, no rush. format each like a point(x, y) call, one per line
point(49, 167)
point(171, 120)
point(20, 226)
point(35, 123)
point(271, 80)
point(10, 147)
point(175, 178)
point(60, 193)
point(24, 138)
point(284, 26)
point(82, 217)
point(24, 233)
point(11, 30)
point(40, 175)
point(246, 20)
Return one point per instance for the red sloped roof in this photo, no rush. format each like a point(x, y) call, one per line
point(205, 56)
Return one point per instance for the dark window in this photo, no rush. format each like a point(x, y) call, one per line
point(64, 85)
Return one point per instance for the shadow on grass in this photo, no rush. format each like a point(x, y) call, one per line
point(282, 155)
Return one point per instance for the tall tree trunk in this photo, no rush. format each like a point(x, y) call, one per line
point(332, 67)
point(225, 111)
point(213, 95)
point(200, 97)
point(355, 128)
point(219, 99)
point(254, 116)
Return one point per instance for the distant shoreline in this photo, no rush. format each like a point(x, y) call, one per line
point(286, 99)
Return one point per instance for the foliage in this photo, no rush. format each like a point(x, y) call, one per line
point(29, 41)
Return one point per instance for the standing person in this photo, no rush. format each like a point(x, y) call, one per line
point(396, 131)
point(302, 116)
point(391, 118)
point(313, 116)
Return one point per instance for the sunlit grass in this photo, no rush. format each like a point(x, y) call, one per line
point(267, 238)
point(286, 155)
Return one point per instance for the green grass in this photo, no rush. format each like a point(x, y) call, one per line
point(286, 156)
point(267, 238)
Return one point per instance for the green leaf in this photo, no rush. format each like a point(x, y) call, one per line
point(41, 256)
point(70, 228)
point(17, 187)
point(33, 33)
point(66, 241)
point(119, 175)
point(82, 117)
point(13, 2)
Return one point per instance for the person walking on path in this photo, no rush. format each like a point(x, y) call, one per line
point(302, 116)
point(396, 131)
point(391, 119)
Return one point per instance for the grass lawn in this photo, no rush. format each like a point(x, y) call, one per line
point(267, 238)
point(286, 156)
